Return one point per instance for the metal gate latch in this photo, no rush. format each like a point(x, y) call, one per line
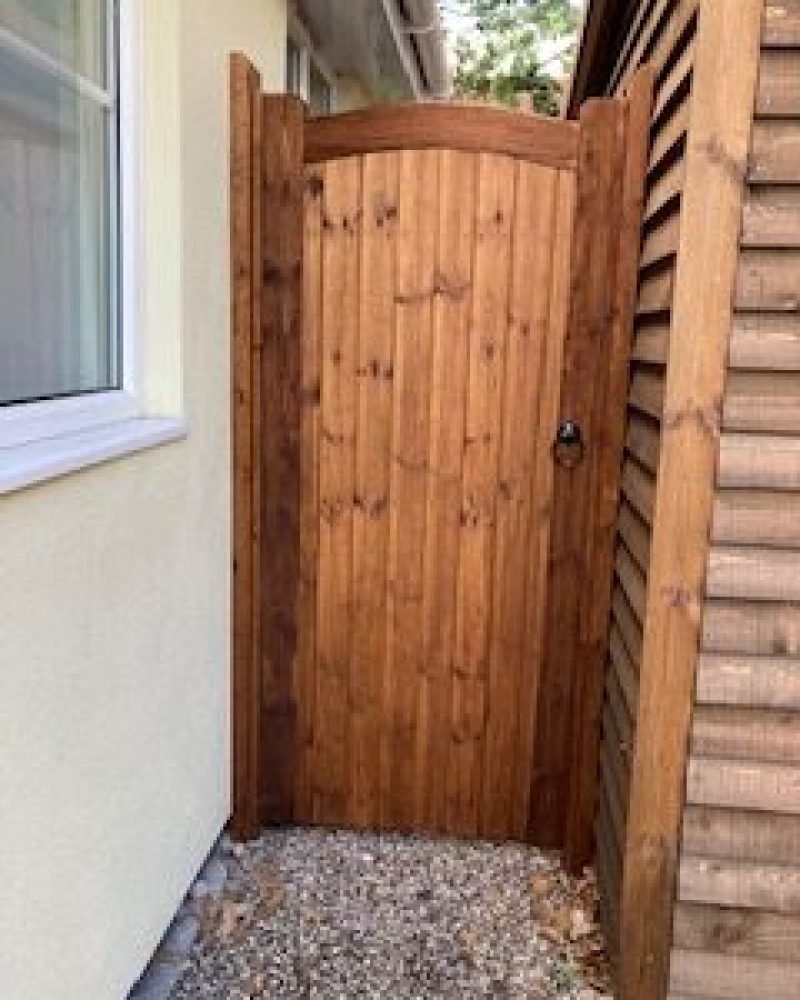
point(569, 447)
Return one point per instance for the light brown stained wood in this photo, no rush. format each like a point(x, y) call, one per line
point(638, 487)
point(626, 671)
point(768, 402)
point(779, 84)
point(643, 441)
point(773, 838)
point(760, 682)
point(633, 581)
point(723, 93)
point(511, 687)
point(585, 398)
point(746, 933)
point(640, 23)
point(341, 241)
point(418, 207)
point(664, 191)
point(655, 291)
point(775, 152)
point(661, 244)
point(668, 141)
point(740, 884)
point(306, 659)
point(245, 161)
point(766, 462)
point(772, 216)
point(651, 340)
point(605, 481)
point(767, 280)
point(782, 23)
point(719, 977)
point(743, 785)
point(475, 128)
point(757, 517)
point(636, 535)
point(451, 317)
point(766, 342)
point(746, 733)
point(281, 367)
point(629, 626)
point(375, 365)
point(487, 356)
point(541, 526)
point(754, 574)
point(760, 629)
point(673, 88)
point(647, 391)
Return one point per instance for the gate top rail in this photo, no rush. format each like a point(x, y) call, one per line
point(472, 127)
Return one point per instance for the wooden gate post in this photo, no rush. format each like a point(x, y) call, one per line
point(245, 93)
point(281, 375)
point(583, 395)
point(605, 468)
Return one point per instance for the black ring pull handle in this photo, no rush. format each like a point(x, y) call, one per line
point(569, 447)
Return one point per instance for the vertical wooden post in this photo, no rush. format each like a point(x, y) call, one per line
point(281, 374)
point(583, 394)
point(604, 470)
point(245, 139)
point(726, 65)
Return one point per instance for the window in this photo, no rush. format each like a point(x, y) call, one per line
point(305, 75)
point(59, 255)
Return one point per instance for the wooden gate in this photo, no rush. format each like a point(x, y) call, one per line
point(416, 310)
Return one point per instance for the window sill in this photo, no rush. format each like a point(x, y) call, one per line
point(37, 461)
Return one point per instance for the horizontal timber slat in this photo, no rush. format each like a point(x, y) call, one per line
point(759, 629)
point(702, 974)
point(772, 216)
point(759, 462)
point(757, 681)
point(766, 341)
point(754, 574)
point(751, 933)
point(739, 785)
point(757, 517)
point(782, 23)
point(740, 884)
point(779, 84)
point(469, 127)
point(767, 279)
point(746, 734)
point(734, 833)
point(775, 152)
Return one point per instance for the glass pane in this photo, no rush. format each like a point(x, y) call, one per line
point(56, 225)
point(73, 32)
point(320, 93)
point(294, 83)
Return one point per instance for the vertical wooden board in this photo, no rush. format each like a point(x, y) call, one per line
point(306, 664)
point(341, 227)
point(245, 89)
point(584, 390)
point(541, 514)
point(451, 320)
point(528, 315)
point(487, 348)
point(722, 101)
point(418, 194)
point(605, 468)
point(281, 364)
point(374, 375)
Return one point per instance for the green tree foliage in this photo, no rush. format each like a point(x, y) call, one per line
point(505, 48)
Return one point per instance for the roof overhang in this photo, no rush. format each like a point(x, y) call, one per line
point(598, 49)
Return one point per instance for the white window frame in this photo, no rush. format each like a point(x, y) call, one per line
point(298, 33)
point(40, 440)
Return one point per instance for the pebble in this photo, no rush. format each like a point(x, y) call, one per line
point(312, 914)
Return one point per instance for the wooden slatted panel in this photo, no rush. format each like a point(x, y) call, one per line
point(341, 258)
point(451, 318)
point(418, 206)
point(375, 367)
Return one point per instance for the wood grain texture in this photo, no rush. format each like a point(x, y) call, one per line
point(470, 127)
point(245, 160)
point(281, 415)
point(716, 157)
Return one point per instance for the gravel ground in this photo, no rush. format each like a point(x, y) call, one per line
point(323, 915)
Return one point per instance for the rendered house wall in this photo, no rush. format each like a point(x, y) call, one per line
point(115, 581)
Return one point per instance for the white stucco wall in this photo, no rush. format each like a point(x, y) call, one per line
point(115, 581)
